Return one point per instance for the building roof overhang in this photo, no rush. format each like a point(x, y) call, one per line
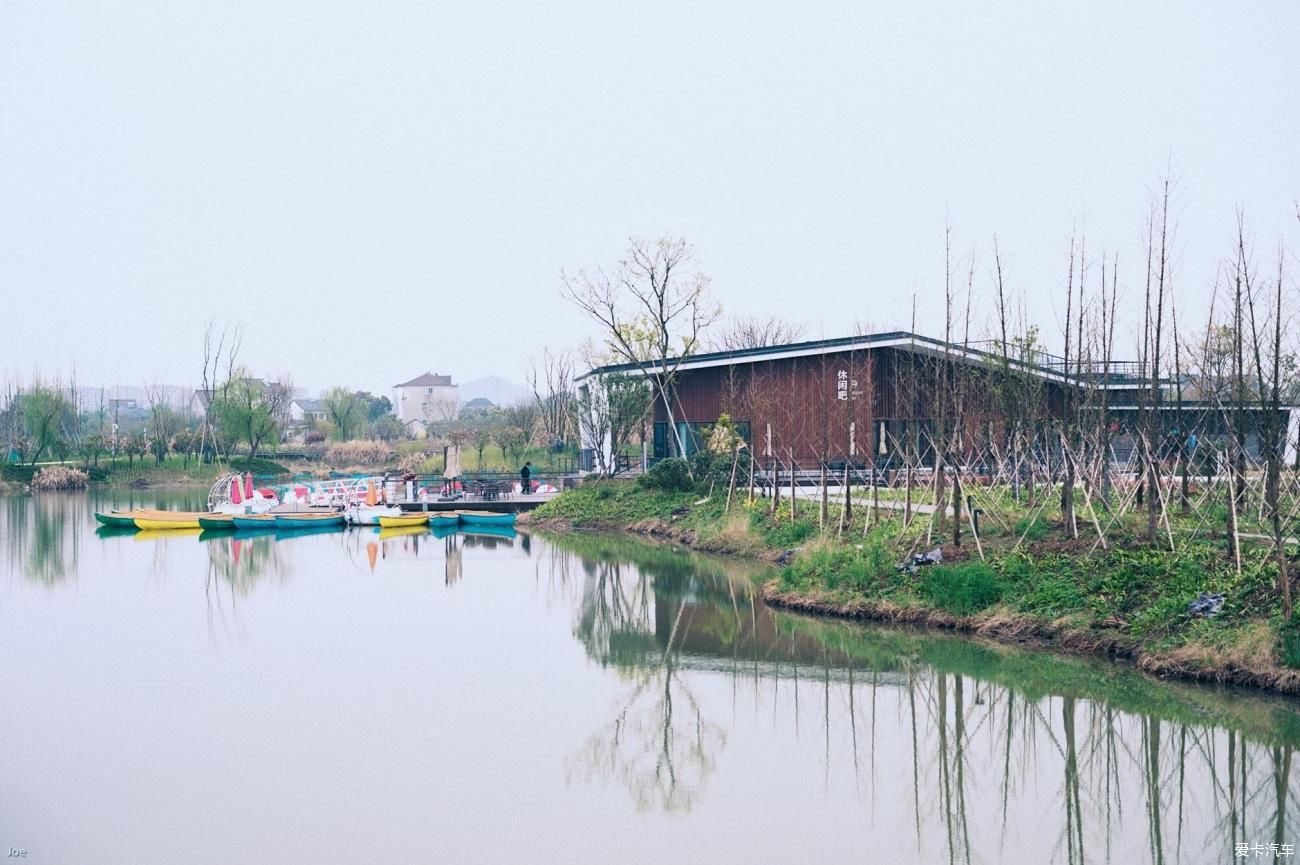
point(903, 340)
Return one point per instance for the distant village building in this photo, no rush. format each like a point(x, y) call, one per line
point(200, 403)
point(425, 400)
point(304, 412)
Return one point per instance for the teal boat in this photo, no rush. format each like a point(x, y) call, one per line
point(307, 521)
point(253, 521)
point(507, 532)
point(485, 518)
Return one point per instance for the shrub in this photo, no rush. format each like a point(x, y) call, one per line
point(17, 473)
point(59, 478)
point(257, 466)
point(670, 475)
point(313, 437)
point(1289, 639)
point(711, 467)
point(961, 589)
point(359, 453)
point(412, 463)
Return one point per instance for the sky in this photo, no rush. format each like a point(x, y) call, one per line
point(373, 190)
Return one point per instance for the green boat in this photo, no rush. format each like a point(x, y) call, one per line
point(217, 523)
point(117, 519)
point(119, 531)
point(485, 518)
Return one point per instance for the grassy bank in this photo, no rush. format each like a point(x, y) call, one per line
point(1034, 583)
point(173, 471)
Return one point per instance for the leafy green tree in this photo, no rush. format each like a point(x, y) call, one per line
point(482, 438)
point(513, 442)
point(92, 446)
point(387, 428)
point(164, 423)
point(135, 446)
point(250, 411)
point(45, 412)
point(347, 411)
point(184, 443)
point(611, 409)
point(376, 406)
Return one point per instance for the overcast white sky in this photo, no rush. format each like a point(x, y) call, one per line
point(376, 189)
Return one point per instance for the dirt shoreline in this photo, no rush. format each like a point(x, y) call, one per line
point(998, 624)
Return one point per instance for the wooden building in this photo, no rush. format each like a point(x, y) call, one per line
point(865, 399)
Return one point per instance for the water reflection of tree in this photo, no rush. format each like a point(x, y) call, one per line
point(1108, 737)
point(43, 534)
point(989, 726)
point(658, 745)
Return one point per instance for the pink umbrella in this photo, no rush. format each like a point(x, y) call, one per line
point(235, 497)
point(248, 486)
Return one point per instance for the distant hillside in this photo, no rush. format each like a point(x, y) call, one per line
point(494, 388)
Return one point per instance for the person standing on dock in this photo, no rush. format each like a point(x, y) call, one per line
point(525, 477)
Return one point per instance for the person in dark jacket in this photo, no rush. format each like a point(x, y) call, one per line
point(525, 477)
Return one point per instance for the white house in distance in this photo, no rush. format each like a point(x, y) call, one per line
point(424, 400)
point(303, 411)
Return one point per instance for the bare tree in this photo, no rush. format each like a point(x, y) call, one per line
point(1266, 351)
point(220, 352)
point(1157, 281)
point(654, 308)
point(748, 331)
point(551, 381)
point(164, 421)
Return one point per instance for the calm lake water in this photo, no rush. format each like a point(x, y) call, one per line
point(354, 697)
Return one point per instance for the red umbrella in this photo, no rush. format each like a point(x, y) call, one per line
point(235, 497)
point(248, 485)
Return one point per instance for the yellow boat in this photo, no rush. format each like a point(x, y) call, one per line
point(169, 520)
point(404, 520)
point(159, 534)
point(404, 531)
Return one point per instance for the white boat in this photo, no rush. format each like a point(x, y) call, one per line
point(368, 515)
point(234, 494)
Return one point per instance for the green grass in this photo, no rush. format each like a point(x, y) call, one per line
point(961, 589)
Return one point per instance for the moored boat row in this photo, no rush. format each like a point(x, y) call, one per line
point(160, 520)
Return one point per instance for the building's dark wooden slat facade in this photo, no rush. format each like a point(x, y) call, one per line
point(832, 406)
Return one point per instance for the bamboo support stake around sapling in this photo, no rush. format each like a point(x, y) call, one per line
point(794, 508)
point(970, 517)
point(749, 500)
point(846, 515)
point(731, 485)
point(824, 513)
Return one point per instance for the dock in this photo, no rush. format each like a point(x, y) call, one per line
point(504, 504)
